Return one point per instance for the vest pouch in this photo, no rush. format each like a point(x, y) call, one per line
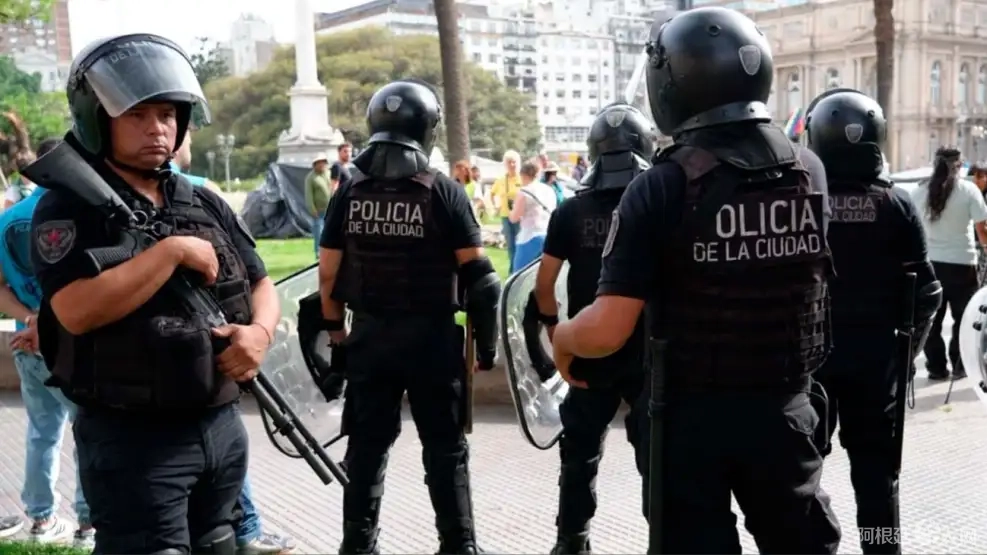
point(234, 298)
point(181, 355)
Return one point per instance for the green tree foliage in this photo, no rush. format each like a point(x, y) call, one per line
point(44, 114)
point(352, 66)
point(22, 10)
point(208, 63)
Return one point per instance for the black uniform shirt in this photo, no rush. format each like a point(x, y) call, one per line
point(63, 228)
point(650, 211)
point(451, 209)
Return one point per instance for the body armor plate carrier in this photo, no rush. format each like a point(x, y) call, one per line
point(395, 259)
point(748, 304)
point(159, 357)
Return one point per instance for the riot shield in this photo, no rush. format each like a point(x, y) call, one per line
point(536, 387)
point(973, 342)
point(286, 369)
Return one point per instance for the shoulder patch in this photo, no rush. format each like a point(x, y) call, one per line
point(612, 233)
point(53, 240)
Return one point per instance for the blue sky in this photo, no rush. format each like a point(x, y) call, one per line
point(186, 20)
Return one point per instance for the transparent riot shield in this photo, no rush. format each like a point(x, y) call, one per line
point(536, 387)
point(973, 342)
point(287, 371)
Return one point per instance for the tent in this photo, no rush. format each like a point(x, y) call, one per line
point(276, 209)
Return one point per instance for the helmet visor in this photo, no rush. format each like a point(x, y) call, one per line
point(141, 70)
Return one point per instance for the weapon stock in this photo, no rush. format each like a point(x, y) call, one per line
point(904, 362)
point(64, 170)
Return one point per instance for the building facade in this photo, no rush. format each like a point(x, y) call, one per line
point(251, 45)
point(42, 47)
point(940, 67)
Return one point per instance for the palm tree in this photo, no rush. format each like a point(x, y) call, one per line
point(457, 122)
point(884, 40)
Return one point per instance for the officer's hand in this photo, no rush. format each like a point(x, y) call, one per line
point(248, 344)
point(563, 360)
point(26, 340)
point(199, 255)
point(337, 337)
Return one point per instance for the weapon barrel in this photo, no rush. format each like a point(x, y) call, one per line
point(290, 426)
point(656, 407)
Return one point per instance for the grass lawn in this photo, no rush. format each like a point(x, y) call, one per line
point(284, 257)
point(18, 548)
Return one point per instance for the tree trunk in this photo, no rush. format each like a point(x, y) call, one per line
point(884, 40)
point(456, 118)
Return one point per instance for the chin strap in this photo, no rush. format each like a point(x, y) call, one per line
point(161, 172)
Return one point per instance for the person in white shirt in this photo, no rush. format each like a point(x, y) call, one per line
point(948, 204)
point(533, 208)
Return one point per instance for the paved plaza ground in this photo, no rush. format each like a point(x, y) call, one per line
point(943, 485)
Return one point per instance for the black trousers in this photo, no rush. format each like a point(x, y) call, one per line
point(959, 283)
point(862, 391)
point(760, 448)
point(586, 416)
point(385, 359)
point(162, 482)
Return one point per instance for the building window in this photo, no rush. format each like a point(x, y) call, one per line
point(962, 84)
point(933, 145)
point(477, 57)
point(832, 78)
point(871, 84)
point(577, 94)
point(559, 93)
point(794, 91)
point(560, 110)
point(935, 83)
point(982, 85)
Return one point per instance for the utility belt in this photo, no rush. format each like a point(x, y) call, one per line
point(148, 362)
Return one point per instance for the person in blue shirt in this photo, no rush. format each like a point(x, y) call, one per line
point(250, 537)
point(47, 408)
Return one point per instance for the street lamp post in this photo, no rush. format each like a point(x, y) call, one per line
point(211, 156)
point(226, 144)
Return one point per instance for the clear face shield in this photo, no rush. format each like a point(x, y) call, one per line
point(973, 341)
point(141, 70)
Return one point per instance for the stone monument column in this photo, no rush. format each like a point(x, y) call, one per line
point(310, 133)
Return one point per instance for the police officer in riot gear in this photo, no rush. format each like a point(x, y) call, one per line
point(620, 142)
point(162, 451)
point(400, 241)
point(724, 239)
point(876, 236)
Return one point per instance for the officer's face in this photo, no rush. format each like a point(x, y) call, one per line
point(144, 136)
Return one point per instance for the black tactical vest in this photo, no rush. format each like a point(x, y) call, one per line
point(396, 260)
point(592, 214)
point(158, 357)
point(862, 235)
point(746, 303)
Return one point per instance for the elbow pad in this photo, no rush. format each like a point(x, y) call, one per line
point(482, 296)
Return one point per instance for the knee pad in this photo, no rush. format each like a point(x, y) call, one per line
point(218, 541)
point(169, 551)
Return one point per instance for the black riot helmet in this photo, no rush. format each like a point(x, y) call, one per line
point(847, 129)
point(621, 127)
point(706, 67)
point(112, 75)
point(404, 113)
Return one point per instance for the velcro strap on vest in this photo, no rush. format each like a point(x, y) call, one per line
point(695, 162)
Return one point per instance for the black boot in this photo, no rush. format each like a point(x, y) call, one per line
point(448, 481)
point(576, 544)
point(359, 538)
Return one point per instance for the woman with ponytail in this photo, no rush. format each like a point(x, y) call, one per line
point(947, 204)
